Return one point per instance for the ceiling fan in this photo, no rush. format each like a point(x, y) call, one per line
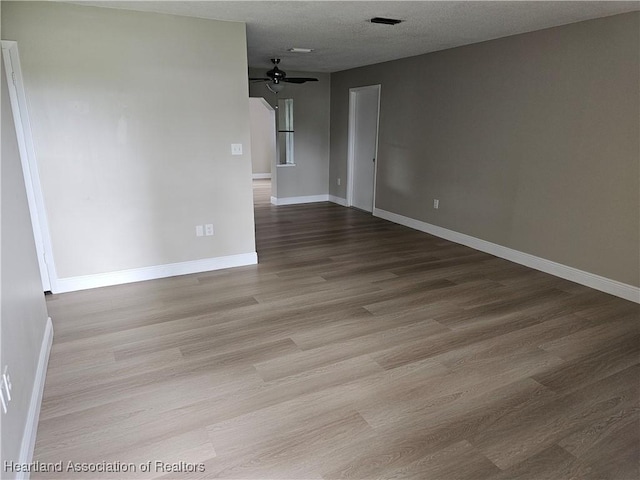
point(276, 78)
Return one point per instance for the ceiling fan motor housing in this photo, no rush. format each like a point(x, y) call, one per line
point(276, 74)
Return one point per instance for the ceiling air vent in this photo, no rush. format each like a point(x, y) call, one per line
point(385, 21)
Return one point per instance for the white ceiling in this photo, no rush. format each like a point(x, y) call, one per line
point(342, 37)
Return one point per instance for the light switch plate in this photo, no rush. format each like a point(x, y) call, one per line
point(208, 229)
point(236, 149)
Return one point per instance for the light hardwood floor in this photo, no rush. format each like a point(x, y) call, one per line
point(355, 349)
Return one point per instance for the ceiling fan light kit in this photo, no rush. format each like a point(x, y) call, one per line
point(275, 87)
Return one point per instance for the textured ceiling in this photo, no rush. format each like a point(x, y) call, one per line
point(342, 37)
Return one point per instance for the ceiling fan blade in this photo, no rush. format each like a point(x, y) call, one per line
point(299, 79)
point(259, 79)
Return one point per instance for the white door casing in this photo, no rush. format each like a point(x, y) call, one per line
point(364, 107)
point(26, 149)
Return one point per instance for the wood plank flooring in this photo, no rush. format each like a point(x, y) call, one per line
point(356, 349)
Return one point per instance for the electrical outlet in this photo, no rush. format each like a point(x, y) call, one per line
point(199, 231)
point(236, 149)
point(338, 182)
point(436, 203)
point(208, 229)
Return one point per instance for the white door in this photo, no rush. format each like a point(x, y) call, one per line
point(11, 62)
point(363, 145)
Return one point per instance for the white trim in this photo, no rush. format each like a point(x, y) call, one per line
point(309, 199)
point(71, 284)
point(351, 144)
point(297, 200)
point(281, 165)
point(261, 176)
point(375, 166)
point(338, 200)
point(31, 424)
point(607, 285)
point(28, 158)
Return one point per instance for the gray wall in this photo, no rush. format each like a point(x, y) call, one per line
point(529, 141)
point(23, 312)
point(133, 117)
point(311, 102)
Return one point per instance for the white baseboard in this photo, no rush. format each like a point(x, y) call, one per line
point(261, 176)
point(338, 200)
point(72, 284)
point(309, 199)
point(613, 287)
point(297, 200)
point(31, 424)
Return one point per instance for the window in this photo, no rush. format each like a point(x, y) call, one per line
point(285, 131)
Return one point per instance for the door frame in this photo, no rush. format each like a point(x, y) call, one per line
point(26, 148)
point(353, 95)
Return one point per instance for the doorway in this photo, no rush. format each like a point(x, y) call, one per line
point(263, 143)
point(364, 109)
